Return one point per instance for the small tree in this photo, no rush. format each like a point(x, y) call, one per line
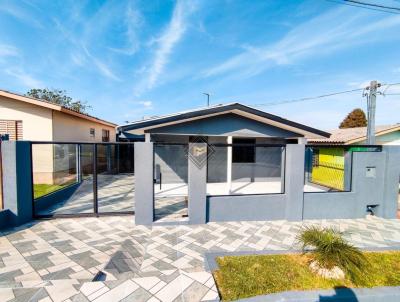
point(354, 119)
point(59, 97)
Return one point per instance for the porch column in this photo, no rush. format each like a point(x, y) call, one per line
point(144, 187)
point(229, 165)
point(147, 137)
point(294, 181)
point(197, 187)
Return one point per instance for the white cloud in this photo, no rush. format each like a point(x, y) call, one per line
point(19, 14)
point(139, 112)
point(165, 43)
point(146, 104)
point(133, 22)
point(101, 66)
point(8, 51)
point(81, 53)
point(334, 30)
point(24, 78)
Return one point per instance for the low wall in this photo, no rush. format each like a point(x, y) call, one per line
point(287, 205)
point(374, 181)
point(331, 205)
point(246, 207)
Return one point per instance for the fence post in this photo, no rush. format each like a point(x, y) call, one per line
point(17, 180)
point(144, 183)
point(197, 187)
point(294, 181)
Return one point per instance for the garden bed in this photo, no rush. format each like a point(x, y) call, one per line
point(252, 275)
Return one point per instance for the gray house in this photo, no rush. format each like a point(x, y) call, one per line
point(245, 154)
point(219, 126)
point(218, 123)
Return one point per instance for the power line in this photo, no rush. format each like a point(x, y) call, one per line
point(316, 97)
point(365, 7)
point(373, 4)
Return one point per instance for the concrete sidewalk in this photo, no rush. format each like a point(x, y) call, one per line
point(56, 260)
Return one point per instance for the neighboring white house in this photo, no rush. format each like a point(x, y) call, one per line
point(26, 118)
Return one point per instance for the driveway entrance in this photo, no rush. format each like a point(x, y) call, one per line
point(82, 179)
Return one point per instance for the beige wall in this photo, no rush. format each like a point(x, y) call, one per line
point(37, 125)
point(43, 124)
point(71, 128)
point(36, 121)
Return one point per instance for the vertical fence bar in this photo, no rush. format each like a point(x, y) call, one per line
point(117, 163)
point(95, 200)
point(1, 180)
point(33, 182)
point(78, 163)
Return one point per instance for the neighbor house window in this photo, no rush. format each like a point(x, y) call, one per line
point(92, 132)
point(11, 128)
point(244, 154)
point(105, 135)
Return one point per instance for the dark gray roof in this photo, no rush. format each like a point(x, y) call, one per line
point(181, 116)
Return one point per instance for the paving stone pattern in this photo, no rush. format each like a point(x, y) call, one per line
point(56, 260)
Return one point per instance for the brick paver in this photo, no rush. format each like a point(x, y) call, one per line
point(57, 260)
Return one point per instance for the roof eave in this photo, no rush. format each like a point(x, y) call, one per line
point(54, 107)
point(229, 107)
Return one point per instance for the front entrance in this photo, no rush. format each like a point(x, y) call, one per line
point(170, 182)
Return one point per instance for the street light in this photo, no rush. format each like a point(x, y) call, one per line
point(208, 98)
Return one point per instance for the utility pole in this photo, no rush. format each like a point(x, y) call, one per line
point(371, 105)
point(208, 98)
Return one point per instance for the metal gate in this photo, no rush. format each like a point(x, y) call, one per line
point(170, 182)
point(82, 179)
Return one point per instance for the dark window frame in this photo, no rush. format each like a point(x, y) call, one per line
point(105, 138)
point(244, 154)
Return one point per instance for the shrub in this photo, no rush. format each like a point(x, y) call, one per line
point(329, 249)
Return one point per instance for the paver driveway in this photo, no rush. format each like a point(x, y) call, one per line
point(56, 260)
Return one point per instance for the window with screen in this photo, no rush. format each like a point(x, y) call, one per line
point(12, 129)
point(244, 154)
point(92, 132)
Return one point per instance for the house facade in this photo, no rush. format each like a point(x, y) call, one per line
point(219, 126)
point(26, 118)
point(221, 163)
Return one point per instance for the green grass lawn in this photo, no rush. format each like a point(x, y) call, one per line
point(40, 190)
point(247, 276)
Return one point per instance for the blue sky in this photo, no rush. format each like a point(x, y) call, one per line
point(130, 59)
